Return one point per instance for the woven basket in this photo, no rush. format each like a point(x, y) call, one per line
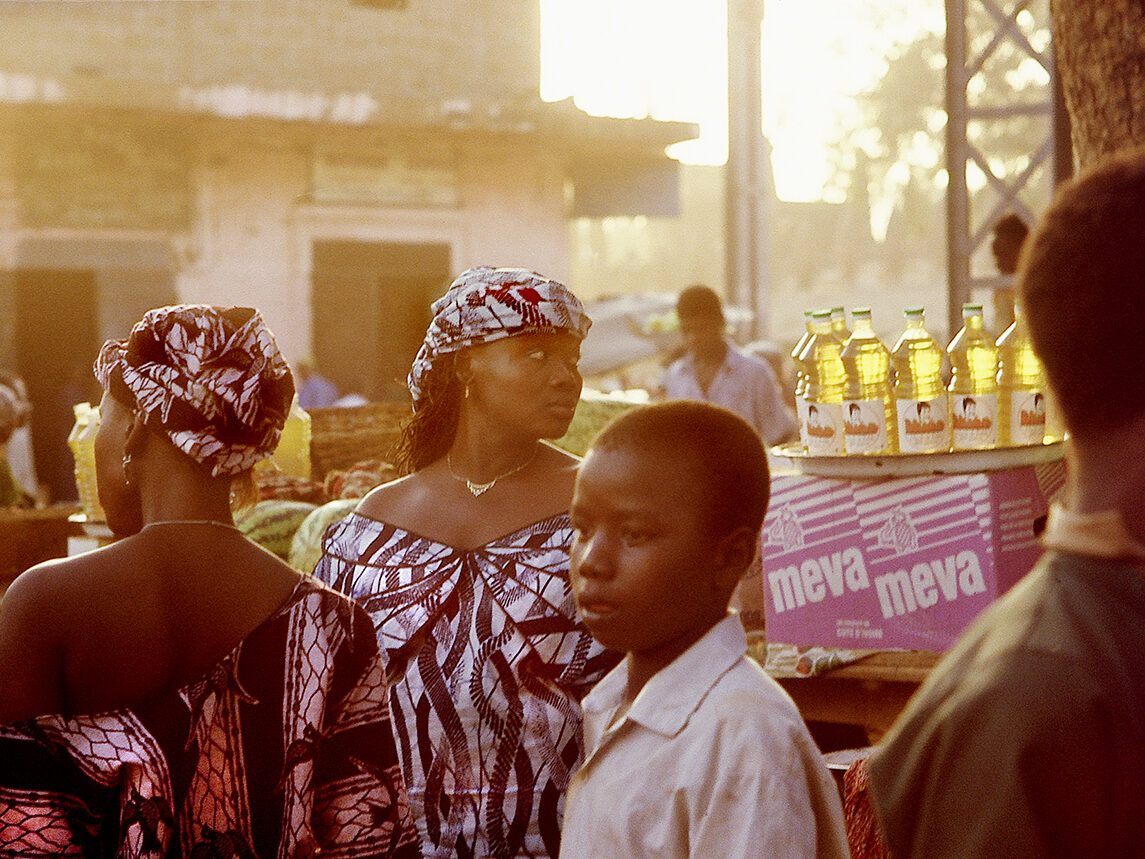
point(340, 437)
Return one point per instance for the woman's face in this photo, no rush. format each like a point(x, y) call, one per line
point(529, 382)
point(120, 501)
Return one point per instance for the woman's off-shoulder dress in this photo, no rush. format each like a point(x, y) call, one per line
point(487, 664)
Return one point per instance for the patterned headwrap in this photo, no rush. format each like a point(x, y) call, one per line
point(486, 304)
point(211, 379)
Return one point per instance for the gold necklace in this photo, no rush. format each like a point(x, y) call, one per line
point(479, 489)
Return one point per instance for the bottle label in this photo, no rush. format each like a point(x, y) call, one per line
point(1027, 417)
point(974, 418)
point(821, 428)
point(864, 426)
point(924, 425)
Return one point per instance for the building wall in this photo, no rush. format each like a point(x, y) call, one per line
point(253, 222)
point(238, 52)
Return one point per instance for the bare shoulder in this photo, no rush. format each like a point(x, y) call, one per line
point(395, 498)
point(559, 463)
point(36, 613)
point(559, 457)
point(49, 588)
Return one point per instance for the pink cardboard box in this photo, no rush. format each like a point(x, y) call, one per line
point(897, 563)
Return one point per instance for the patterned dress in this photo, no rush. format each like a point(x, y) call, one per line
point(284, 749)
point(487, 665)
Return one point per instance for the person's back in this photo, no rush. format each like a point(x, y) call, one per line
point(692, 750)
point(182, 690)
point(148, 614)
point(1028, 739)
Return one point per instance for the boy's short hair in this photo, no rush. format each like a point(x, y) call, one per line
point(1082, 288)
point(724, 450)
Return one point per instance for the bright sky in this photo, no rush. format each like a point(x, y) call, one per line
point(668, 59)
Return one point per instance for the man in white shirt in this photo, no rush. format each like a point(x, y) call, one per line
point(716, 371)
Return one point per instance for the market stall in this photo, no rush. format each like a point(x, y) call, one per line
point(872, 566)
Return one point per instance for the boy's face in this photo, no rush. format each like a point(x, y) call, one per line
point(646, 571)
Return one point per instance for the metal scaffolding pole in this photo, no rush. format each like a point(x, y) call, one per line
point(749, 188)
point(974, 31)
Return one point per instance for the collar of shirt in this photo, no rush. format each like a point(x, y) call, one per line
point(670, 697)
point(731, 356)
point(1099, 535)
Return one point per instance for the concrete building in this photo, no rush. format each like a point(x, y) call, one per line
point(332, 163)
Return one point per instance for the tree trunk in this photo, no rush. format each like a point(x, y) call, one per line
point(1100, 47)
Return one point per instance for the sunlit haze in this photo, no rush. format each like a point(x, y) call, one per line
point(667, 59)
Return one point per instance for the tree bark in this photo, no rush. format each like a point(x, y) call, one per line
point(1100, 47)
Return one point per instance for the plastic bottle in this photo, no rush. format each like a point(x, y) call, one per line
point(869, 424)
point(81, 440)
point(821, 409)
point(1021, 388)
point(800, 369)
point(974, 384)
point(921, 402)
point(292, 456)
point(839, 323)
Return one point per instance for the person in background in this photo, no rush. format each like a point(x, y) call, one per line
point(463, 564)
point(315, 391)
point(13, 415)
point(1028, 739)
point(1009, 235)
point(692, 750)
point(19, 452)
point(183, 692)
point(716, 371)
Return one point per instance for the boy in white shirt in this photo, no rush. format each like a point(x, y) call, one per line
point(691, 749)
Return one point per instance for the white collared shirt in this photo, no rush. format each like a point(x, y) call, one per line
point(743, 384)
point(712, 760)
point(1098, 535)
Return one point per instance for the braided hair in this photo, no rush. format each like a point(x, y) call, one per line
point(427, 433)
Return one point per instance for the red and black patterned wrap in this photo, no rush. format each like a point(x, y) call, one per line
point(211, 379)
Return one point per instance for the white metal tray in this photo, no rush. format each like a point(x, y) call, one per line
point(916, 464)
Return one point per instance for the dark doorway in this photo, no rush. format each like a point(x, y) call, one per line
point(56, 343)
point(370, 311)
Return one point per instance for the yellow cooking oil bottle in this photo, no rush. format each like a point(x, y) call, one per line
point(81, 440)
point(974, 384)
point(839, 323)
point(821, 409)
point(921, 403)
point(292, 454)
point(800, 369)
point(869, 424)
point(1021, 387)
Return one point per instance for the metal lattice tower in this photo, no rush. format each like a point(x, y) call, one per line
point(991, 46)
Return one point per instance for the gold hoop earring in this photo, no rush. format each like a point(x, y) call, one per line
point(126, 465)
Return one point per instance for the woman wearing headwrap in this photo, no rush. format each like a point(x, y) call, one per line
point(183, 692)
point(463, 564)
